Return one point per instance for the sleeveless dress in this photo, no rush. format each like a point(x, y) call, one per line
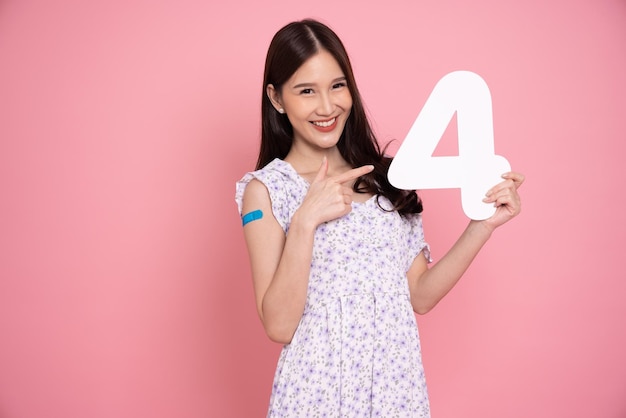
point(356, 351)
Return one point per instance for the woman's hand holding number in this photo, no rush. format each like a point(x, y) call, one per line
point(330, 198)
point(505, 197)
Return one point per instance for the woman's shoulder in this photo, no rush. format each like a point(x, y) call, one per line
point(278, 177)
point(276, 171)
point(276, 167)
point(281, 182)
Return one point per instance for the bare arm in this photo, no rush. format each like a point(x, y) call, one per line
point(281, 263)
point(429, 286)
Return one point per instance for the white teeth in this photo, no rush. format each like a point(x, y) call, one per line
point(324, 124)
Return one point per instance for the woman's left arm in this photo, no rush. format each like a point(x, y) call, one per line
point(429, 286)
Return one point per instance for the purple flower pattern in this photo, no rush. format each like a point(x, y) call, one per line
point(356, 351)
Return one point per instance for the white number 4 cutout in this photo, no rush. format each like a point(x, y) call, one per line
point(476, 169)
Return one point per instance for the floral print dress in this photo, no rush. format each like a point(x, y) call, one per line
point(356, 351)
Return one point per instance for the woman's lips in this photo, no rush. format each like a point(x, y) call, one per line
point(326, 125)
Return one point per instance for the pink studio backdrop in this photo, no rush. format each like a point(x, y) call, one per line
point(124, 284)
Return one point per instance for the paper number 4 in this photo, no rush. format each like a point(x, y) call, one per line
point(476, 169)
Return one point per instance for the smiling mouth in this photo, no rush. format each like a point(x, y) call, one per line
point(325, 124)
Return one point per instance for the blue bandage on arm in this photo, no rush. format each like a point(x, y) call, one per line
point(251, 216)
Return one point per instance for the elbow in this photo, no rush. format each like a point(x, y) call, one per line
point(279, 338)
point(279, 326)
point(423, 303)
point(422, 308)
point(277, 334)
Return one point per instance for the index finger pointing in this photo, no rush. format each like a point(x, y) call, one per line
point(353, 174)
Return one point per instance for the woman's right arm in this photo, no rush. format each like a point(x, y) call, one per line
point(281, 262)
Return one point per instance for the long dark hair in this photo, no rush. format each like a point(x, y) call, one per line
point(290, 48)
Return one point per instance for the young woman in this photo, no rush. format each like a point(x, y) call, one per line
point(338, 256)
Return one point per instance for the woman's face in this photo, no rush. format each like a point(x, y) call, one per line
point(317, 101)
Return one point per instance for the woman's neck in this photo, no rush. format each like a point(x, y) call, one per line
point(309, 162)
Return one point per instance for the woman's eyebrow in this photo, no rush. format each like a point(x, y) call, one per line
point(297, 86)
point(300, 85)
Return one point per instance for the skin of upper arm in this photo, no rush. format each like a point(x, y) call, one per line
point(265, 240)
point(418, 267)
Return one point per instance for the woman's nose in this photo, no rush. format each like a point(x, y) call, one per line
point(325, 105)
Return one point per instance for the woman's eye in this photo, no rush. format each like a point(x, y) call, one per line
point(306, 91)
point(339, 85)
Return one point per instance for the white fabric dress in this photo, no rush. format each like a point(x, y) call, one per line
point(356, 352)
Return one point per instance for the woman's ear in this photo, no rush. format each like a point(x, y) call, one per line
point(274, 97)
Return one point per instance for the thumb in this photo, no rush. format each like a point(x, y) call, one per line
point(321, 174)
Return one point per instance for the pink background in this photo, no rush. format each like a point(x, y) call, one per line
point(124, 285)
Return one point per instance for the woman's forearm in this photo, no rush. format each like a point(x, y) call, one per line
point(284, 300)
point(434, 283)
